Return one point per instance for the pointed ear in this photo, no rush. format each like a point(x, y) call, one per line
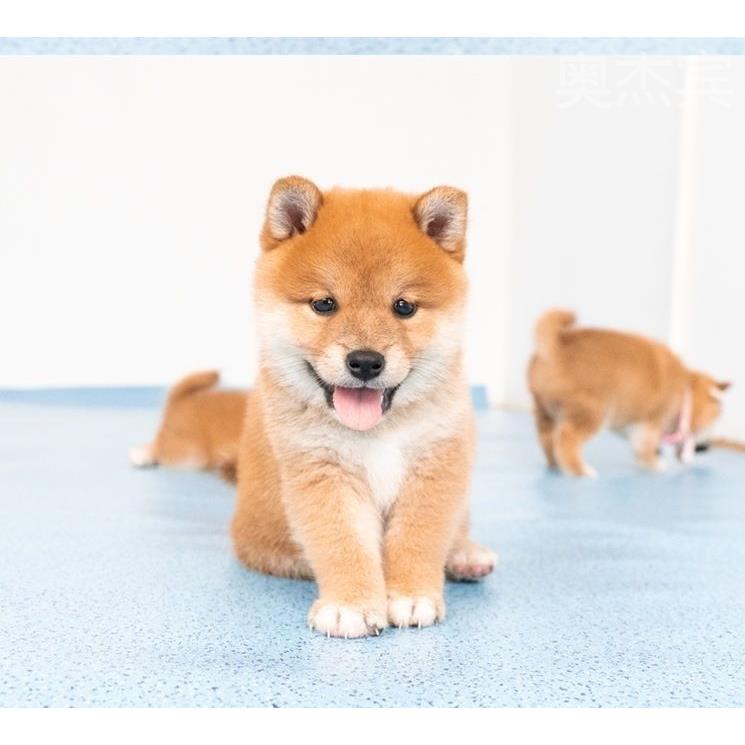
point(716, 390)
point(442, 213)
point(292, 208)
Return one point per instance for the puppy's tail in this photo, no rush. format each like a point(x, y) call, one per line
point(197, 381)
point(548, 331)
point(725, 443)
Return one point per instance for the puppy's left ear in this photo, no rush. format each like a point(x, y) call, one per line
point(442, 214)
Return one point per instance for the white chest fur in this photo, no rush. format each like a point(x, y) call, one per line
point(385, 461)
point(385, 466)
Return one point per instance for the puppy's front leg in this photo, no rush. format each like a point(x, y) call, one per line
point(332, 517)
point(420, 533)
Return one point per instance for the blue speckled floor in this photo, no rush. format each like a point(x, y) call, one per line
point(117, 586)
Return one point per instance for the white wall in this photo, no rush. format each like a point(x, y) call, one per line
point(132, 191)
point(713, 337)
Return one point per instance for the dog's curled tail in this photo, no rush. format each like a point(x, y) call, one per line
point(548, 330)
point(197, 381)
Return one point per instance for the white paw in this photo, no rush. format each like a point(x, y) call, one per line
point(589, 471)
point(142, 456)
point(471, 563)
point(418, 610)
point(349, 621)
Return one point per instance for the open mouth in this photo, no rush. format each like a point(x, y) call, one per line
point(358, 408)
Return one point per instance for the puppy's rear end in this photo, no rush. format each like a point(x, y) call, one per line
point(548, 382)
point(584, 378)
point(200, 428)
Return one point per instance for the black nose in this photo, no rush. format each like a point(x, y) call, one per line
point(365, 364)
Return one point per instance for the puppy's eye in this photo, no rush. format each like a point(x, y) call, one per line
point(404, 308)
point(324, 307)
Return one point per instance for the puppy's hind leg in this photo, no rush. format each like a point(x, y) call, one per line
point(545, 427)
point(645, 439)
point(468, 561)
point(576, 427)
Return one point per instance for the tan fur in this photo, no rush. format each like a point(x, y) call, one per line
point(584, 379)
point(374, 516)
point(200, 428)
point(724, 443)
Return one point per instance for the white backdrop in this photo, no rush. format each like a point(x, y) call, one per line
point(132, 191)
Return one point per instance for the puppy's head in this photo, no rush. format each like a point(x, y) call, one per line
point(360, 296)
point(707, 394)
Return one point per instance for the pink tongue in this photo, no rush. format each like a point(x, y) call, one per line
point(359, 408)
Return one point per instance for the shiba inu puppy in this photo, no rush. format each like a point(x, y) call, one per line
point(583, 379)
point(355, 460)
point(201, 427)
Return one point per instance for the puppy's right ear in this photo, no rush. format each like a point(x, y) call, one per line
point(293, 207)
point(441, 214)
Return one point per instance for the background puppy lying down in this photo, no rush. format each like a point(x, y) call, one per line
point(201, 427)
point(584, 379)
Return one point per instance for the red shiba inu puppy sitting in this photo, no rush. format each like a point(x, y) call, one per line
point(583, 379)
point(356, 454)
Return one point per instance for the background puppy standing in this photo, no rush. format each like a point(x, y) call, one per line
point(583, 379)
point(354, 465)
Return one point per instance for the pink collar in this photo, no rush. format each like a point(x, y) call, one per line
point(683, 436)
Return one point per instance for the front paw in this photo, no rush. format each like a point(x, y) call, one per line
point(415, 610)
point(346, 620)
